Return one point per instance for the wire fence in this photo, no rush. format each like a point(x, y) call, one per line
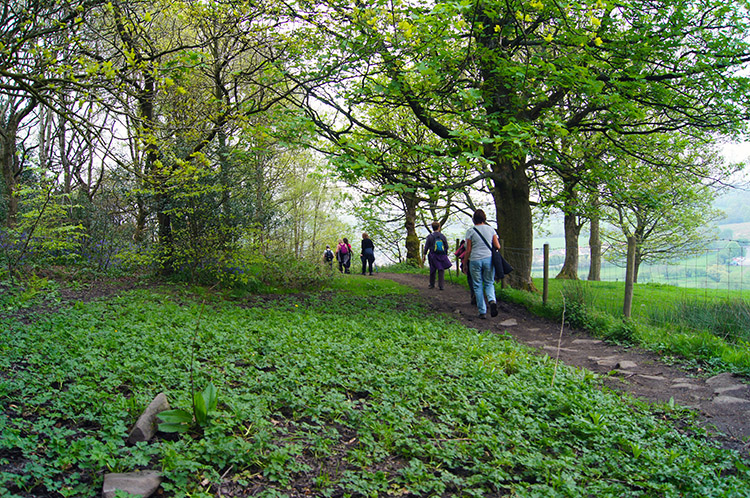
point(706, 291)
point(722, 268)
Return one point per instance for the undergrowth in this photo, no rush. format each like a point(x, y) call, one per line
point(346, 393)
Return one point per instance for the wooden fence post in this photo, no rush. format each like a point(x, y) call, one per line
point(545, 287)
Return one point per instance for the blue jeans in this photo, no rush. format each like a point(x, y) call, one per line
point(483, 279)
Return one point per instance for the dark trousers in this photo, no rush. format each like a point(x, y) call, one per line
point(440, 277)
point(368, 259)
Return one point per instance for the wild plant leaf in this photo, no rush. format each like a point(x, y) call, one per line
point(210, 397)
point(199, 405)
point(176, 416)
point(177, 420)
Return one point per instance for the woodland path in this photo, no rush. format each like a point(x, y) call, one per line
point(722, 402)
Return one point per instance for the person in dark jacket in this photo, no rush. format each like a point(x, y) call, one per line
point(437, 247)
point(459, 254)
point(368, 252)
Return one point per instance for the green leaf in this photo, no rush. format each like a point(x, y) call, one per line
point(199, 404)
point(175, 416)
point(210, 397)
point(175, 421)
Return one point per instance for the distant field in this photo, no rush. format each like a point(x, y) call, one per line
point(703, 271)
point(741, 230)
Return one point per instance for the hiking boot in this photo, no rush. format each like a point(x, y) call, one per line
point(482, 316)
point(493, 308)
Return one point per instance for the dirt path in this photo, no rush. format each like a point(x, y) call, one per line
point(722, 402)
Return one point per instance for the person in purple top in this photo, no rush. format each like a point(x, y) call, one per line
point(437, 247)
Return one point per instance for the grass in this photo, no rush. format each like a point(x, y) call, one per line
point(709, 329)
point(345, 393)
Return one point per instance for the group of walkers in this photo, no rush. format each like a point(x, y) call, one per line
point(474, 254)
point(343, 255)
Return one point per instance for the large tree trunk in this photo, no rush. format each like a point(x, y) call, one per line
point(569, 269)
point(514, 222)
point(11, 118)
point(9, 170)
point(595, 246)
point(410, 223)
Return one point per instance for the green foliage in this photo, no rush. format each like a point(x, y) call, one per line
point(178, 420)
point(285, 272)
point(43, 234)
point(728, 319)
point(350, 393)
point(405, 267)
point(706, 330)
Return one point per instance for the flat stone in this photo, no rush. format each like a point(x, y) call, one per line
point(510, 322)
point(135, 483)
point(682, 380)
point(657, 378)
point(555, 348)
point(610, 361)
point(145, 428)
point(722, 380)
point(737, 389)
point(626, 364)
point(730, 400)
point(587, 341)
point(685, 385)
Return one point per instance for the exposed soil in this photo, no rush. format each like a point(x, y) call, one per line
point(722, 403)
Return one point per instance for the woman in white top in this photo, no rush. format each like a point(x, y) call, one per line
point(479, 258)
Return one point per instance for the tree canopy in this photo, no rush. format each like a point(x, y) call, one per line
point(170, 114)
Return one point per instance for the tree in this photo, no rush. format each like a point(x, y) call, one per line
point(485, 78)
point(667, 211)
point(37, 68)
point(186, 77)
point(379, 166)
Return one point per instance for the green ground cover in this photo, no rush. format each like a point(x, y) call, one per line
point(707, 327)
point(349, 393)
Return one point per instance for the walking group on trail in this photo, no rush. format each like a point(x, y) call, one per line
point(479, 259)
point(343, 255)
point(478, 255)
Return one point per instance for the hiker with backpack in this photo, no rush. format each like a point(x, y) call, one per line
point(368, 252)
point(328, 257)
point(437, 247)
point(344, 255)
